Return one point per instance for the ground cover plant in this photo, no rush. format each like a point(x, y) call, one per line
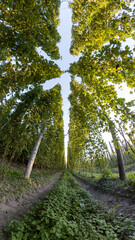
point(111, 183)
point(128, 167)
point(69, 212)
point(13, 184)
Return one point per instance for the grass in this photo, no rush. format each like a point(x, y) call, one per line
point(129, 175)
point(69, 213)
point(126, 166)
point(13, 184)
point(112, 183)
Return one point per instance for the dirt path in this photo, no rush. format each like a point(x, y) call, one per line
point(16, 209)
point(125, 206)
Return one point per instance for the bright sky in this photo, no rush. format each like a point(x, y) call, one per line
point(64, 46)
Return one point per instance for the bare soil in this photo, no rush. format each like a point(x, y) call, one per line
point(110, 201)
point(17, 209)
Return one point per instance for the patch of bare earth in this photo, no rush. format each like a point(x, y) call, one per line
point(17, 209)
point(110, 201)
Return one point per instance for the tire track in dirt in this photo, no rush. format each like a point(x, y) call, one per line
point(17, 209)
point(124, 205)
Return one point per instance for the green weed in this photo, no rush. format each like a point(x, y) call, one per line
point(69, 213)
point(113, 184)
point(13, 184)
